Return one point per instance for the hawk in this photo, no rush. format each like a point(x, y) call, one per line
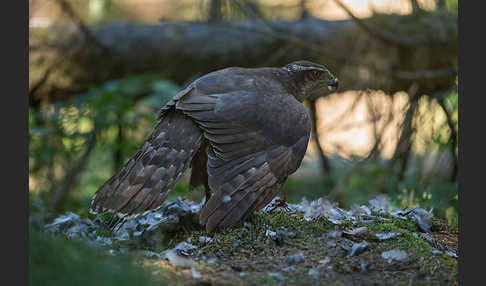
point(243, 132)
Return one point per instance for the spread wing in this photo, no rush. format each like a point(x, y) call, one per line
point(256, 141)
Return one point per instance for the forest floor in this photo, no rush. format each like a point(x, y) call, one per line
point(313, 243)
point(283, 248)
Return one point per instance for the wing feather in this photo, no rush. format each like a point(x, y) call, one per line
point(253, 141)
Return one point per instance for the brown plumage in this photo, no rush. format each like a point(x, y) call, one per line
point(243, 131)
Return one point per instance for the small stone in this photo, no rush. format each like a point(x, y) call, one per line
point(277, 276)
point(436, 251)
point(394, 254)
point(178, 260)
point(195, 274)
point(212, 260)
point(325, 261)
point(364, 265)
point(205, 239)
point(387, 235)
point(331, 243)
point(313, 272)
point(334, 234)
point(270, 233)
point(358, 248)
point(243, 274)
point(451, 254)
point(296, 258)
point(357, 231)
point(288, 269)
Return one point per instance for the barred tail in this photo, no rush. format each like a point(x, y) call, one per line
point(147, 178)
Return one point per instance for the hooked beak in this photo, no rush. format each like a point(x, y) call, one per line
point(333, 84)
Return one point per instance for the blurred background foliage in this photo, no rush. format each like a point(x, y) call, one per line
point(89, 111)
point(85, 264)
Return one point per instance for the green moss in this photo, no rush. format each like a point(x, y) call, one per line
point(411, 242)
point(343, 267)
point(296, 222)
point(394, 224)
point(264, 279)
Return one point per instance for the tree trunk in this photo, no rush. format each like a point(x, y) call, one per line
point(184, 51)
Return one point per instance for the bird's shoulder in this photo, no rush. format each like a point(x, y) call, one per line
point(265, 81)
point(253, 98)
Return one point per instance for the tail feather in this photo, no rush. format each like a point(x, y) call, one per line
point(147, 178)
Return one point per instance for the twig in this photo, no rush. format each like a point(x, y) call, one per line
point(404, 143)
point(313, 113)
point(66, 8)
point(70, 178)
point(40, 83)
point(453, 137)
point(415, 6)
point(440, 4)
point(385, 36)
point(377, 134)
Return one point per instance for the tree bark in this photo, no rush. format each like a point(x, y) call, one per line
point(404, 145)
point(184, 51)
point(453, 138)
point(66, 185)
point(323, 158)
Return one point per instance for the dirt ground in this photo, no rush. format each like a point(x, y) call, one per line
point(283, 248)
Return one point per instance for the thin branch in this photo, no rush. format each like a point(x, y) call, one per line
point(440, 4)
point(453, 137)
point(324, 160)
point(66, 8)
point(415, 6)
point(404, 143)
point(69, 180)
point(382, 35)
point(36, 87)
point(377, 134)
point(39, 84)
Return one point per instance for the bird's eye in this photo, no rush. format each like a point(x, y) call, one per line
point(316, 74)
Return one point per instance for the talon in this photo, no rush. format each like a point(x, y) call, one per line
point(282, 204)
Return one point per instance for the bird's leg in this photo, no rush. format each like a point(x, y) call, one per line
point(281, 203)
point(207, 190)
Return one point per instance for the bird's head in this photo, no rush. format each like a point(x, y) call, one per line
point(310, 77)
